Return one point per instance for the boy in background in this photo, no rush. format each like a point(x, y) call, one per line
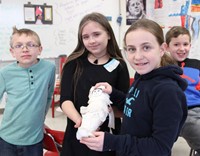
point(178, 41)
point(29, 84)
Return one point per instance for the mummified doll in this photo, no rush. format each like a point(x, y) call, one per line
point(95, 113)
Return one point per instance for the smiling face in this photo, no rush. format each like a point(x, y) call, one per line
point(179, 47)
point(25, 49)
point(143, 51)
point(95, 38)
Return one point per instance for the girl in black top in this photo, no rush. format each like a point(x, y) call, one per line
point(97, 58)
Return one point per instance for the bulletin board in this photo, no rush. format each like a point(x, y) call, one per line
point(60, 36)
point(170, 13)
point(183, 13)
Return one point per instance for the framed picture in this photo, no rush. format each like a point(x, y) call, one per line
point(38, 14)
point(29, 14)
point(48, 14)
point(135, 9)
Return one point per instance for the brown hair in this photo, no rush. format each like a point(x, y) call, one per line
point(80, 50)
point(155, 29)
point(25, 31)
point(175, 31)
point(112, 47)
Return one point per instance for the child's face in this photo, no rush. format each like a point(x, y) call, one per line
point(95, 38)
point(25, 49)
point(143, 51)
point(179, 47)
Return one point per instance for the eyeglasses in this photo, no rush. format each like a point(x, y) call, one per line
point(29, 46)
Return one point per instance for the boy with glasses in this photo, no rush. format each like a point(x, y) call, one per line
point(29, 84)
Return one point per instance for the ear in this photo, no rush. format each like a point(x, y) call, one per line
point(190, 45)
point(40, 50)
point(12, 52)
point(167, 47)
point(163, 49)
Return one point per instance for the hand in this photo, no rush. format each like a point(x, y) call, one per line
point(107, 89)
point(94, 143)
point(78, 122)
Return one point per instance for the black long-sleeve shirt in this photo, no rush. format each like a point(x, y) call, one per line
point(92, 74)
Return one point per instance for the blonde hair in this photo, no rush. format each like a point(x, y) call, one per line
point(25, 31)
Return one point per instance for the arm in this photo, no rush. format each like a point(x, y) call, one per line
point(71, 112)
point(168, 114)
point(50, 88)
point(2, 86)
point(66, 92)
point(122, 84)
point(123, 79)
point(168, 117)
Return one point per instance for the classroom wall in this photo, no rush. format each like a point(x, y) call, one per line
point(61, 36)
point(172, 12)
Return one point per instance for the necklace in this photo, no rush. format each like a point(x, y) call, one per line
point(97, 58)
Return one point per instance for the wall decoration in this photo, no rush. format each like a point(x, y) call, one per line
point(135, 9)
point(29, 14)
point(38, 14)
point(48, 18)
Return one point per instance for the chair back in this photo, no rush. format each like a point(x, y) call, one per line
point(49, 143)
point(57, 135)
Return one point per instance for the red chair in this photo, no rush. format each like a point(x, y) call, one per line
point(57, 135)
point(50, 145)
point(52, 142)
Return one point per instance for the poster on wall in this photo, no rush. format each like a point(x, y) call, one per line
point(185, 13)
point(135, 9)
point(38, 14)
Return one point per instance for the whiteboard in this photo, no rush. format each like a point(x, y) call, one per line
point(60, 37)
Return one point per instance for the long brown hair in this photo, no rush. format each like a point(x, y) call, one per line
point(112, 47)
point(80, 50)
